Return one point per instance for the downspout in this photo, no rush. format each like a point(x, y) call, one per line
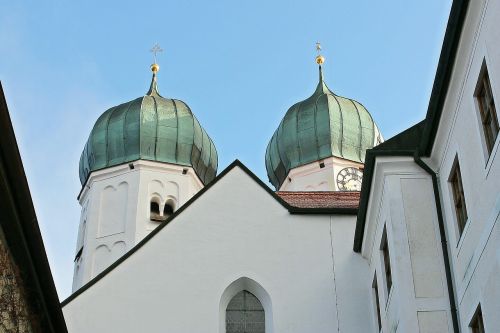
point(444, 243)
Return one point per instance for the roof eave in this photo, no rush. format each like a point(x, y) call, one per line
point(444, 72)
point(23, 238)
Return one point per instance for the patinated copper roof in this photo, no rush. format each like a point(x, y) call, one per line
point(321, 126)
point(152, 128)
point(332, 199)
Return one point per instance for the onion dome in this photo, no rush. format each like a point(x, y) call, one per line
point(322, 126)
point(151, 128)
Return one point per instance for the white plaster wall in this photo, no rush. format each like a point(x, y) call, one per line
point(311, 177)
point(166, 182)
point(475, 255)
point(81, 239)
point(116, 210)
point(301, 267)
point(402, 200)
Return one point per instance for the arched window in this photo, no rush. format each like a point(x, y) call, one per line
point(168, 209)
point(245, 313)
point(155, 211)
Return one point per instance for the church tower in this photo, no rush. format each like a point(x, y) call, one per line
point(320, 144)
point(142, 161)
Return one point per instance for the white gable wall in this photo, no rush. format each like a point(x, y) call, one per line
point(176, 281)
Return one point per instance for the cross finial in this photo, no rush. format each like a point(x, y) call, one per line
point(319, 59)
point(155, 67)
point(156, 49)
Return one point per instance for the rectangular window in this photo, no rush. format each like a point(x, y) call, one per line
point(487, 110)
point(458, 196)
point(377, 301)
point(477, 323)
point(386, 261)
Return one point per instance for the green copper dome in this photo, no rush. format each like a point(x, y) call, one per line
point(152, 128)
point(319, 127)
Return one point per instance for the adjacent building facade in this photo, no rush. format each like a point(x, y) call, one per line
point(428, 217)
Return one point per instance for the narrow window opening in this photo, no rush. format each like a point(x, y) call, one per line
point(78, 254)
point(155, 211)
point(458, 197)
point(377, 302)
point(168, 210)
point(321, 165)
point(487, 110)
point(386, 261)
point(245, 313)
point(81, 240)
point(477, 322)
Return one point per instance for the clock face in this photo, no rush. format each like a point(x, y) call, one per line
point(349, 179)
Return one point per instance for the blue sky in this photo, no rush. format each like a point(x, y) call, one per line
point(239, 65)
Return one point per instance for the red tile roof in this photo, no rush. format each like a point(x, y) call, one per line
point(321, 199)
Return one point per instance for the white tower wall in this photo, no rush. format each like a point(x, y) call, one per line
point(317, 176)
point(116, 210)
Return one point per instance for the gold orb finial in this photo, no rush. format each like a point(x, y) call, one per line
point(319, 58)
point(155, 68)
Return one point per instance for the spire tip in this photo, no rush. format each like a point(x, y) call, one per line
point(319, 58)
point(153, 89)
